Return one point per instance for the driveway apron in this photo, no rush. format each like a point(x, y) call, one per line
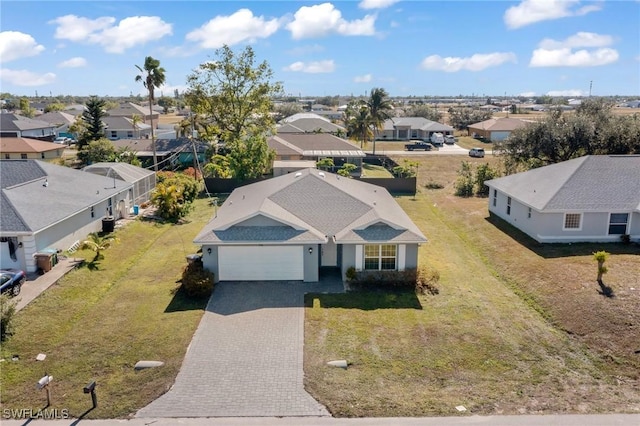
point(246, 357)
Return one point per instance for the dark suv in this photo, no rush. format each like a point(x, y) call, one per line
point(11, 281)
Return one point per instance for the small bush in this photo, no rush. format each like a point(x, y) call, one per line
point(625, 238)
point(351, 273)
point(7, 312)
point(197, 281)
point(433, 185)
point(426, 281)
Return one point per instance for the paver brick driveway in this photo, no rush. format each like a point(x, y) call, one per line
point(246, 357)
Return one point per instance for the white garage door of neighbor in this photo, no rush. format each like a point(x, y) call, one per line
point(261, 263)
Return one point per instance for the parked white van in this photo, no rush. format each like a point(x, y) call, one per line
point(437, 139)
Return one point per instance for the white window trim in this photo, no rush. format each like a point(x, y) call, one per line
point(359, 257)
point(564, 222)
point(401, 257)
point(626, 231)
point(379, 246)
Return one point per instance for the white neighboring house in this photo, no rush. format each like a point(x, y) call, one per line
point(595, 198)
point(143, 181)
point(48, 207)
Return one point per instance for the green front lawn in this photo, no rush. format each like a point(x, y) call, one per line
point(102, 318)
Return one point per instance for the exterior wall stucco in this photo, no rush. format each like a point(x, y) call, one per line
point(311, 262)
point(210, 261)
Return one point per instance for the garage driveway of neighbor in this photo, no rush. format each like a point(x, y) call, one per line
point(246, 357)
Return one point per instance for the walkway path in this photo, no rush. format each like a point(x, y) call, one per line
point(246, 357)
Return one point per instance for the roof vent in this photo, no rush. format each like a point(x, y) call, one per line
point(298, 174)
point(321, 174)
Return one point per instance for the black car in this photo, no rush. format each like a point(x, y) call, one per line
point(11, 281)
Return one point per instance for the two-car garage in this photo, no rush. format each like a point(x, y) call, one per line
point(260, 263)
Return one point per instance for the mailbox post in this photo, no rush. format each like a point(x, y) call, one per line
point(91, 388)
point(43, 383)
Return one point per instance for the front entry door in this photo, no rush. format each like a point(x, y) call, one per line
point(329, 254)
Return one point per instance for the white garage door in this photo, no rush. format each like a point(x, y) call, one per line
point(262, 263)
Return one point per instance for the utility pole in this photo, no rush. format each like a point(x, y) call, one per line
point(590, 87)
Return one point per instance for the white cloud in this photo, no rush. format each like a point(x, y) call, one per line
point(312, 67)
point(324, 19)
point(239, 27)
point(527, 94)
point(567, 58)
point(580, 39)
point(129, 32)
point(363, 78)
point(376, 4)
point(26, 78)
point(15, 45)
point(76, 62)
point(532, 11)
point(571, 92)
point(477, 62)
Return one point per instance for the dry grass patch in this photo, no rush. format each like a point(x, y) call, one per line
point(493, 340)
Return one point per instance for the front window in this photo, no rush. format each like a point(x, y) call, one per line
point(23, 156)
point(114, 134)
point(495, 197)
point(508, 205)
point(618, 223)
point(572, 221)
point(380, 257)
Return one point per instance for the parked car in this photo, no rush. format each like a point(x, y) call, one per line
point(449, 139)
point(61, 140)
point(11, 281)
point(437, 139)
point(476, 152)
point(416, 145)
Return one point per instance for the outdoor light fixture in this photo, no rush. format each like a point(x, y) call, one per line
point(310, 250)
point(209, 250)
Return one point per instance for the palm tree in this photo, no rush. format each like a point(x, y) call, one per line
point(97, 243)
point(135, 121)
point(152, 76)
point(359, 122)
point(379, 110)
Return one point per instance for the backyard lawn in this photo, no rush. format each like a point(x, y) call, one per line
point(516, 328)
point(102, 318)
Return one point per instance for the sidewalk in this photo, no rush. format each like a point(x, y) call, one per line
point(529, 420)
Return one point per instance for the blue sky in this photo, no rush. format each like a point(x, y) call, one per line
point(410, 48)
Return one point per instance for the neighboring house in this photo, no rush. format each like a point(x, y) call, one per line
point(49, 207)
point(496, 129)
point(314, 147)
point(129, 109)
point(308, 122)
point(143, 180)
point(407, 128)
point(17, 126)
point(122, 128)
point(594, 198)
point(27, 148)
point(60, 119)
point(288, 227)
point(169, 152)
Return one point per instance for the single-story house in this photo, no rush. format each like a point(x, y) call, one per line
point(48, 207)
point(314, 147)
point(143, 180)
point(17, 126)
point(288, 227)
point(496, 129)
point(308, 122)
point(595, 198)
point(122, 128)
point(129, 109)
point(407, 128)
point(12, 148)
point(61, 120)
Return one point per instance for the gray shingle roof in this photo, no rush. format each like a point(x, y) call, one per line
point(15, 122)
point(589, 183)
point(313, 145)
point(316, 206)
point(67, 192)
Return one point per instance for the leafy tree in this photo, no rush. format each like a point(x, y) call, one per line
point(347, 169)
point(461, 117)
point(250, 158)
point(174, 194)
point(380, 108)
point(98, 243)
point(25, 108)
point(78, 127)
point(425, 111)
point(166, 103)
point(125, 155)
point(407, 169)
point(56, 106)
point(325, 163)
point(152, 77)
point(484, 172)
point(601, 257)
point(285, 110)
point(7, 313)
point(464, 182)
point(235, 93)
point(135, 122)
point(358, 122)
point(97, 151)
point(93, 124)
